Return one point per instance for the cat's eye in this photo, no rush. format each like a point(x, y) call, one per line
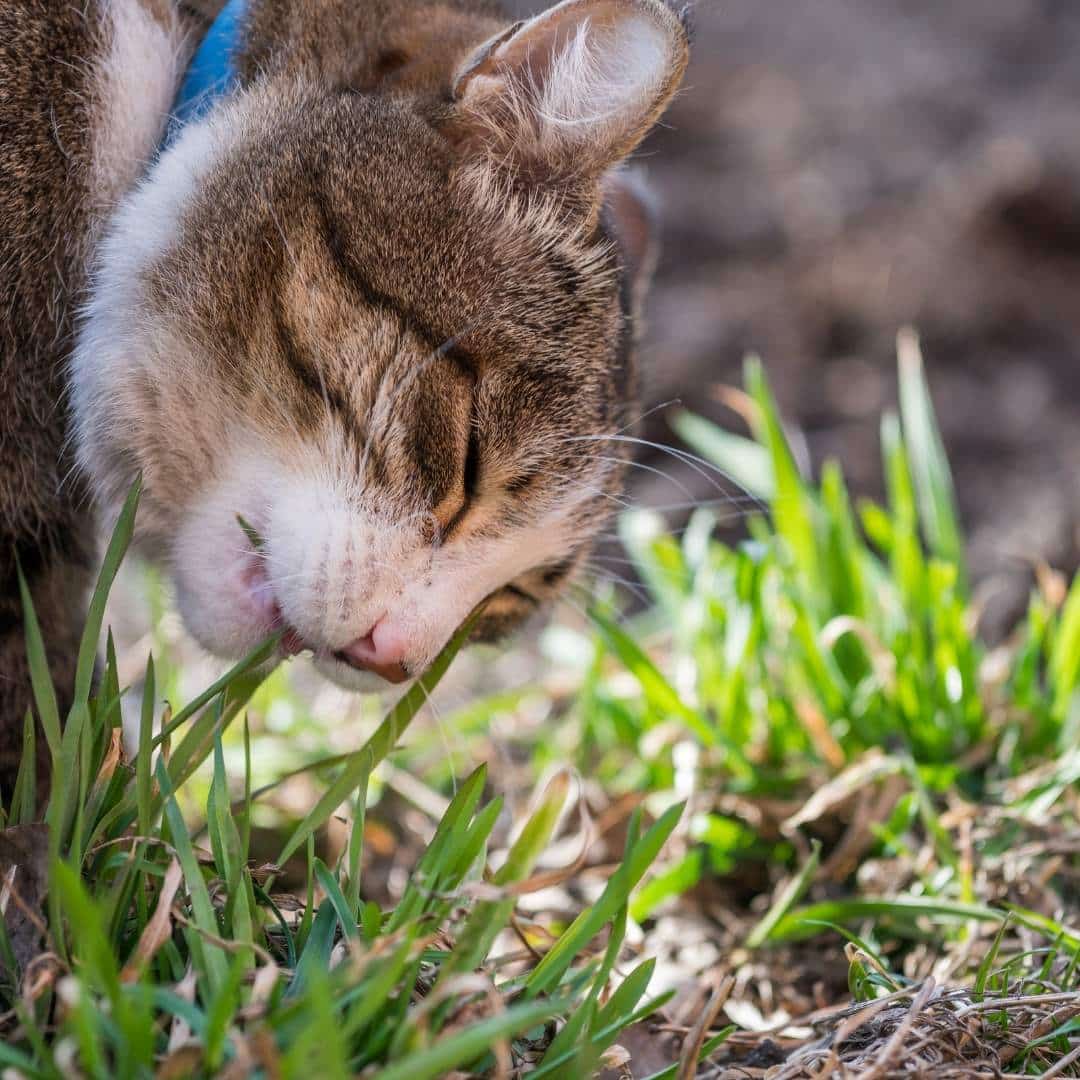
point(469, 481)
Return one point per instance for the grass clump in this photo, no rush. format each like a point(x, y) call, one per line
point(130, 949)
point(835, 636)
point(861, 765)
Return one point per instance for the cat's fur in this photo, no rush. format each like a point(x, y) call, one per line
point(72, 140)
point(379, 301)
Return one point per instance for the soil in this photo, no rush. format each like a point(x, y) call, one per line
point(835, 171)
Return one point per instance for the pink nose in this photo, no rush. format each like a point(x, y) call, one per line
point(381, 650)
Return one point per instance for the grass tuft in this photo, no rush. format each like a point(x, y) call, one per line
point(157, 956)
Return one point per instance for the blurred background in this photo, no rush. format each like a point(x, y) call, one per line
point(834, 171)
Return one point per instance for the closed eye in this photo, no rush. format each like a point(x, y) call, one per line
point(470, 482)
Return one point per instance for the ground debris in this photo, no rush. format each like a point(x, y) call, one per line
point(923, 1030)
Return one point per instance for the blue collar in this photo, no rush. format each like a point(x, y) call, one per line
point(211, 72)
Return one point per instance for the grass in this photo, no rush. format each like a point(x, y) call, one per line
point(151, 953)
point(880, 844)
point(856, 757)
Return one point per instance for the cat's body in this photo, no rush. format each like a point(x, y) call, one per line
point(377, 301)
point(73, 138)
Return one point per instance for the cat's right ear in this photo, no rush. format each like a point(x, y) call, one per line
point(568, 94)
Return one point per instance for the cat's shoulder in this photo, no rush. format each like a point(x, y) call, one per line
point(85, 90)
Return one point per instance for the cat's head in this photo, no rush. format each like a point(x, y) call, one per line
point(390, 327)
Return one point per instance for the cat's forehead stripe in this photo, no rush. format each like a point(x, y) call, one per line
point(334, 237)
point(318, 383)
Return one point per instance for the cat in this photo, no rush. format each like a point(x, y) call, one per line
point(377, 297)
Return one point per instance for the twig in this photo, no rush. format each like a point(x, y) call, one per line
point(889, 1051)
point(691, 1047)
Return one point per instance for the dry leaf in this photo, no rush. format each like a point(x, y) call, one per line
point(159, 928)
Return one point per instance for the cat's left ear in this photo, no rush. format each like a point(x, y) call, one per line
point(569, 93)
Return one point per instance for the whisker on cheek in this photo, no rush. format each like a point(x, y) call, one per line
point(640, 591)
point(635, 587)
point(740, 508)
point(704, 468)
point(598, 493)
point(644, 467)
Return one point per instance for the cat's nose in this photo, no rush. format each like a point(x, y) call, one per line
point(381, 650)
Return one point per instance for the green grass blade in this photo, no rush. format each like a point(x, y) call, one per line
point(745, 461)
point(672, 881)
point(24, 795)
point(489, 917)
point(210, 958)
point(1065, 655)
point(797, 925)
point(355, 851)
point(929, 465)
point(40, 677)
point(448, 840)
point(792, 507)
point(584, 928)
point(468, 1045)
point(259, 655)
point(317, 948)
point(659, 693)
point(143, 770)
point(329, 884)
point(228, 854)
point(788, 898)
point(353, 777)
point(95, 615)
point(198, 740)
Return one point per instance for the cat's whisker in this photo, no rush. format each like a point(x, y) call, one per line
point(630, 463)
point(601, 574)
point(700, 465)
point(647, 413)
point(598, 493)
point(633, 563)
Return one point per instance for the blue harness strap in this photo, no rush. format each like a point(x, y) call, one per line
point(211, 72)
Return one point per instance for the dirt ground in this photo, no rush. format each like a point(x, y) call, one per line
point(836, 170)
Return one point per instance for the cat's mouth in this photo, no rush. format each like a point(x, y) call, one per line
point(367, 653)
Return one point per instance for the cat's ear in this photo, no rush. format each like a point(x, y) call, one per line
point(630, 213)
point(567, 94)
